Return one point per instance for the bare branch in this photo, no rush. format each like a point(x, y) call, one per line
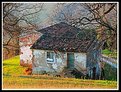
point(112, 7)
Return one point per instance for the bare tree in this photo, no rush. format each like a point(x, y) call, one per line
point(17, 19)
point(105, 14)
point(64, 12)
point(99, 16)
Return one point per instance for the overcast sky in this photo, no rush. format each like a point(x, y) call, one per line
point(43, 17)
point(71, 10)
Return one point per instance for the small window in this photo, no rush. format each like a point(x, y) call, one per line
point(50, 56)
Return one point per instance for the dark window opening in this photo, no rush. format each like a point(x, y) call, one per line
point(50, 56)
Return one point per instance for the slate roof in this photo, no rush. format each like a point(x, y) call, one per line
point(63, 37)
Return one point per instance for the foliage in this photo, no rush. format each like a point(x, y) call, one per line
point(110, 72)
point(109, 53)
point(106, 51)
point(13, 78)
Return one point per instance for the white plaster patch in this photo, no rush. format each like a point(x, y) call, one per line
point(40, 58)
point(80, 58)
point(59, 60)
point(26, 54)
point(41, 61)
point(54, 66)
point(38, 52)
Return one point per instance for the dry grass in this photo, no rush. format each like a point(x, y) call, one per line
point(35, 81)
point(14, 78)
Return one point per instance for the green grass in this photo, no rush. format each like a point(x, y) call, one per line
point(14, 78)
point(110, 72)
point(12, 66)
point(109, 53)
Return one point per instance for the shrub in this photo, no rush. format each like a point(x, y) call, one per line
point(28, 71)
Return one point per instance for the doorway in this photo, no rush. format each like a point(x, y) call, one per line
point(94, 73)
point(70, 60)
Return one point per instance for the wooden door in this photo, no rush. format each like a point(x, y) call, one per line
point(70, 60)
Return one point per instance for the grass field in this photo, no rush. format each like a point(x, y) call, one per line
point(13, 78)
point(109, 53)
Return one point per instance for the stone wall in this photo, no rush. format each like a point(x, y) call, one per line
point(41, 64)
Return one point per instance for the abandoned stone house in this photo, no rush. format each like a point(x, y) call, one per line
point(62, 48)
